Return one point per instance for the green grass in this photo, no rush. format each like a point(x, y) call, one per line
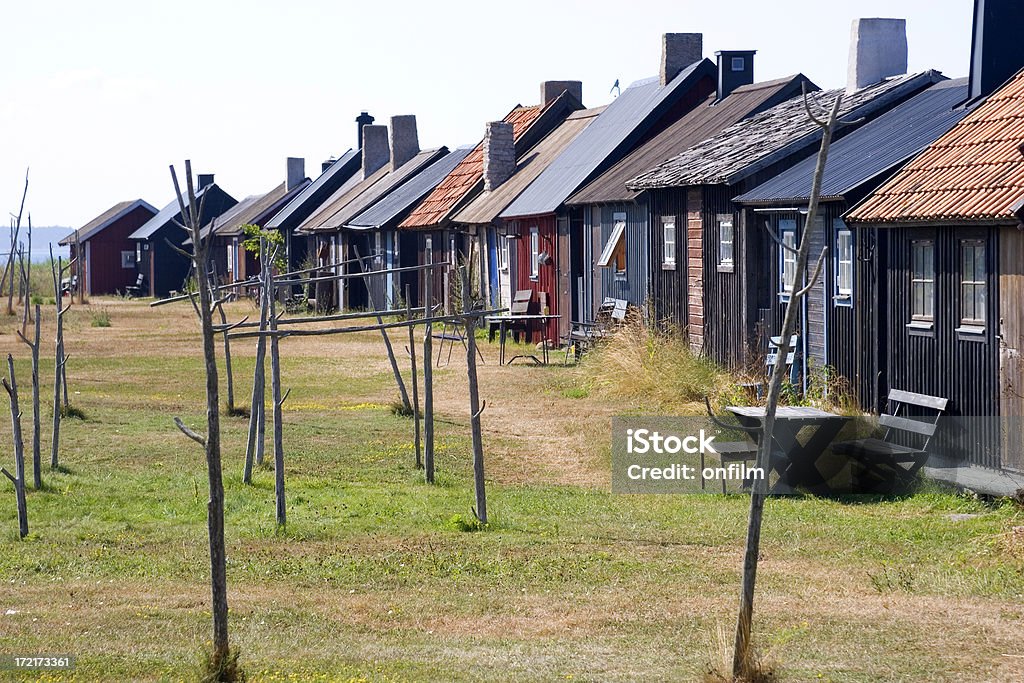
point(379, 576)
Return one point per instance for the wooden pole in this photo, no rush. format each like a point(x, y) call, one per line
point(19, 450)
point(428, 381)
point(227, 363)
point(258, 385)
point(415, 382)
point(387, 342)
point(58, 368)
point(275, 385)
point(474, 402)
point(742, 650)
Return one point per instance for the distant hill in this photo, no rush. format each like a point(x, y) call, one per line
point(41, 239)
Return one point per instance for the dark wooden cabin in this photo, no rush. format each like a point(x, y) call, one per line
point(839, 337)
point(723, 258)
point(947, 244)
point(107, 255)
point(163, 268)
point(549, 253)
point(649, 248)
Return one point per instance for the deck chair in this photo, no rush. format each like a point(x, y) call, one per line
point(450, 333)
point(757, 389)
point(903, 448)
point(132, 291)
point(583, 335)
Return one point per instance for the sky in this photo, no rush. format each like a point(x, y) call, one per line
point(98, 98)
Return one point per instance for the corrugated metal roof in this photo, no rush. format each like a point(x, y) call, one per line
point(447, 196)
point(394, 206)
point(880, 145)
point(755, 143)
point(105, 219)
point(698, 125)
point(614, 132)
point(316, 192)
point(253, 210)
point(342, 207)
point(165, 216)
point(487, 205)
point(973, 172)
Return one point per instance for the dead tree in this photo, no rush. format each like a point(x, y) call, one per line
point(19, 450)
point(37, 475)
point(191, 215)
point(415, 382)
point(26, 274)
point(9, 269)
point(428, 379)
point(60, 359)
point(475, 409)
point(257, 403)
point(742, 651)
point(275, 390)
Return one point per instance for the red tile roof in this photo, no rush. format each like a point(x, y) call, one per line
point(973, 172)
point(447, 196)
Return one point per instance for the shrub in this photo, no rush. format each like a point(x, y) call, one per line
point(460, 523)
point(101, 317)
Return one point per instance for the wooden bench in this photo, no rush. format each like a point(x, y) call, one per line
point(729, 451)
point(903, 448)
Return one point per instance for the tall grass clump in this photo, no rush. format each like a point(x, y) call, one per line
point(652, 368)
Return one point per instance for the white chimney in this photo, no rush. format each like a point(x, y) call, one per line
point(878, 50)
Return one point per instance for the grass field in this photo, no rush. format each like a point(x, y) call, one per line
point(374, 580)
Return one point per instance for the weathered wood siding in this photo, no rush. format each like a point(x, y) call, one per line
point(668, 290)
point(1011, 333)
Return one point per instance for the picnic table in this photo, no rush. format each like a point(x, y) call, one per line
point(528, 319)
point(801, 436)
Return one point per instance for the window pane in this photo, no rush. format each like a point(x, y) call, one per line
point(929, 296)
point(929, 262)
point(979, 262)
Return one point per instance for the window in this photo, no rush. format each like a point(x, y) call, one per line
point(787, 258)
point(726, 242)
point(534, 253)
point(844, 264)
point(128, 259)
point(502, 253)
point(972, 282)
point(922, 281)
point(231, 258)
point(668, 241)
point(738, 63)
point(614, 253)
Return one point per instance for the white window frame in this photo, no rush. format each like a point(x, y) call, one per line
point(787, 259)
point(611, 248)
point(844, 260)
point(973, 281)
point(534, 252)
point(726, 243)
point(923, 281)
point(129, 259)
point(669, 237)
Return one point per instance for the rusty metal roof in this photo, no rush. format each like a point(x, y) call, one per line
point(973, 172)
point(448, 196)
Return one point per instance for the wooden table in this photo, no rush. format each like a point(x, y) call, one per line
point(503, 322)
point(792, 458)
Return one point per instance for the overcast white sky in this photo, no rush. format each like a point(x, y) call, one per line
point(99, 97)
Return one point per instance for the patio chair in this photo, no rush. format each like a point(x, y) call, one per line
point(583, 335)
point(136, 290)
point(903, 448)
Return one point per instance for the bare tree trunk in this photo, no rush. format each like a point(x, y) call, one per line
point(428, 381)
point(37, 475)
point(258, 385)
point(19, 450)
point(58, 371)
point(192, 218)
point(474, 400)
point(28, 279)
point(275, 387)
point(227, 363)
point(387, 343)
point(15, 228)
point(63, 368)
point(415, 381)
point(742, 651)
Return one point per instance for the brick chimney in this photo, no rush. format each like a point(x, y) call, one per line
point(995, 47)
point(405, 142)
point(549, 90)
point(735, 68)
point(499, 154)
point(296, 172)
point(878, 50)
point(204, 179)
point(678, 51)
point(376, 151)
